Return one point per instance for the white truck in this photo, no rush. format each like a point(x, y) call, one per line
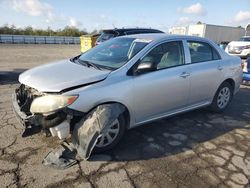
point(216, 33)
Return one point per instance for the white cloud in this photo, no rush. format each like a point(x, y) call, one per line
point(241, 18)
point(74, 23)
point(184, 21)
point(32, 7)
point(195, 9)
point(35, 8)
point(38, 8)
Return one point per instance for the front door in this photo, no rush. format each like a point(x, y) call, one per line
point(164, 89)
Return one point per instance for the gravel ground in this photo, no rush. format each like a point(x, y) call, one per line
point(195, 149)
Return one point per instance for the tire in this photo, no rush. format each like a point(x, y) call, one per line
point(121, 131)
point(222, 97)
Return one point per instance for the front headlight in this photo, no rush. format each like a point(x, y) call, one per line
point(50, 103)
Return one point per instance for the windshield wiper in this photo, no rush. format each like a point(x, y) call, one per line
point(75, 58)
point(89, 64)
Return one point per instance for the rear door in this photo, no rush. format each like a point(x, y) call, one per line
point(205, 72)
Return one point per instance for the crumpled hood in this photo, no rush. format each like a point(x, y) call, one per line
point(239, 43)
point(55, 77)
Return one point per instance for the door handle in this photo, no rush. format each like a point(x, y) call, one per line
point(184, 75)
point(219, 67)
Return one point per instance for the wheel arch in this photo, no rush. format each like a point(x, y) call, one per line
point(214, 105)
point(126, 113)
point(230, 81)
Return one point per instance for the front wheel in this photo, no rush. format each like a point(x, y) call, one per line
point(222, 97)
point(111, 136)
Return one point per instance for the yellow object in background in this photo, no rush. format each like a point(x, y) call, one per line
point(87, 42)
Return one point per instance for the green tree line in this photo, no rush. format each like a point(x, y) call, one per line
point(67, 31)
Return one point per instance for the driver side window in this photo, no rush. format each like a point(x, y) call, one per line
point(166, 55)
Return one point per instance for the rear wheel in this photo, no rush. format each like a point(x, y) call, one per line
point(222, 97)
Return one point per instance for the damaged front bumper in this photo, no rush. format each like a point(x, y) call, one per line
point(22, 117)
point(57, 123)
point(86, 129)
point(28, 122)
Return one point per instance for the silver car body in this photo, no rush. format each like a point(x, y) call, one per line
point(148, 96)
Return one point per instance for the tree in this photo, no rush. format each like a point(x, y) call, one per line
point(67, 31)
point(28, 30)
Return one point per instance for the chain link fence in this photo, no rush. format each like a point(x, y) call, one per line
point(30, 39)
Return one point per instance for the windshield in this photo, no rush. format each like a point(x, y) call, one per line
point(114, 53)
point(245, 39)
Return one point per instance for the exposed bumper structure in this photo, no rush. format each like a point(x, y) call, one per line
point(57, 123)
point(23, 118)
point(29, 122)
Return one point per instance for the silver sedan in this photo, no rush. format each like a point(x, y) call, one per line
point(151, 76)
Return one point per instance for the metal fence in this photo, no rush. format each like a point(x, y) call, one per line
point(30, 39)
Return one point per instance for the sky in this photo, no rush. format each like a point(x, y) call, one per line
point(100, 14)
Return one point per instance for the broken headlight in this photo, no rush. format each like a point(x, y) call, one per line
point(50, 103)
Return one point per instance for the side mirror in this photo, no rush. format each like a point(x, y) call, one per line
point(144, 67)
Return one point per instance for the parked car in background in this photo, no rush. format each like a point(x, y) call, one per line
point(246, 71)
point(239, 48)
point(223, 45)
point(151, 76)
point(112, 33)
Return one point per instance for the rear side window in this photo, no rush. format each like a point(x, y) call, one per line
point(136, 32)
point(105, 36)
point(131, 32)
point(201, 51)
point(216, 56)
point(141, 31)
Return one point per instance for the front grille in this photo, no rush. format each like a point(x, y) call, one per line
point(25, 95)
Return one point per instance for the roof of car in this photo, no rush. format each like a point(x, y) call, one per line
point(159, 36)
point(130, 29)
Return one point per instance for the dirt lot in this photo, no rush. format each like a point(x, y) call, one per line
point(196, 149)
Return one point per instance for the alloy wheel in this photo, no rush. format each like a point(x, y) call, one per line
point(109, 134)
point(223, 97)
